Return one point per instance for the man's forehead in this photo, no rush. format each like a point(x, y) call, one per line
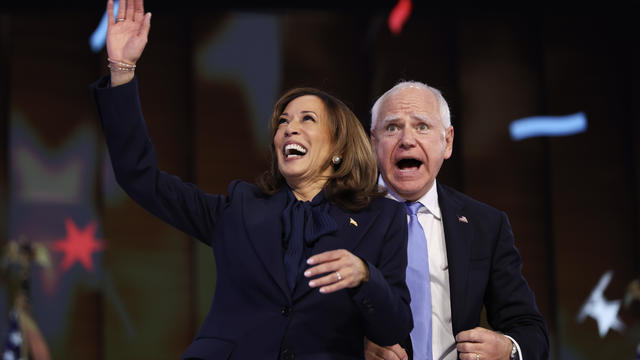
point(412, 116)
point(418, 101)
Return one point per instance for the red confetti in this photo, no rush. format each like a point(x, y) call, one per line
point(78, 246)
point(399, 16)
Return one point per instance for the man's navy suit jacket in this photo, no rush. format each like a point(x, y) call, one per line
point(254, 314)
point(485, 268)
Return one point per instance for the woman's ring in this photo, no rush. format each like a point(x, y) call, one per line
point(477, 356)
point(339, 276)
point(120, 19)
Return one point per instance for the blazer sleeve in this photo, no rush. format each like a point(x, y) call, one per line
point(510, 303)
point(384, 299)
point(135, 164)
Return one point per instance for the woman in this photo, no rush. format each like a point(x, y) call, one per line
point(310, 261)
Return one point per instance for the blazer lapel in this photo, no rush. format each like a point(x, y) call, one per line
point(351, 229)
point(264, 226)
point(458, 235)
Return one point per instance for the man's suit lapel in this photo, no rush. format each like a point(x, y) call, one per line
point(264, 228)
point(350, 231)
point(458, 235)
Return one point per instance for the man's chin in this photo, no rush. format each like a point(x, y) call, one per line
point(409, 190)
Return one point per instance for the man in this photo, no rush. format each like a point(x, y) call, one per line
point(472, 259)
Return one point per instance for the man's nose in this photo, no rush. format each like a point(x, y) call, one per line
point(407, 138)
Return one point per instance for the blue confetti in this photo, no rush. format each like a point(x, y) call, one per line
point(548, 126)
point(99, 36)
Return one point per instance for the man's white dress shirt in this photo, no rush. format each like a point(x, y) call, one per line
point(430, 218)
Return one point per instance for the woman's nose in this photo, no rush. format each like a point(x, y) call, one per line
point(292, 128)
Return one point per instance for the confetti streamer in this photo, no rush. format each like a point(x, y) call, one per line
point(399, 15)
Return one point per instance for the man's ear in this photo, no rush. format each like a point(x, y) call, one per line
point(448, 138)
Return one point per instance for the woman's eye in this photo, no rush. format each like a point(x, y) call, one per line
point(308, 117)
point(282, 121)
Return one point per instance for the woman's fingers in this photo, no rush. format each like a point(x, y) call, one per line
point(326, 256)
point(341, 274)
point(146, 25)
point(138, 11)
point(122, 10)
point(323, 268)
point(130, 9)
point(110, 18)
point(333, 287)
point(342, 269)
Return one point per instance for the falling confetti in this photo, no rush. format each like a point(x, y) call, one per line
point(399, 15)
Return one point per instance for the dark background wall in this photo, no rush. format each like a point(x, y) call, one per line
point(208, 79)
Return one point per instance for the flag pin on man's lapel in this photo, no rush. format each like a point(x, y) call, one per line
point(353, 222)
point(463, 219)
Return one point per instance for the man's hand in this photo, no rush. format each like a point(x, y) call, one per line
point(483, 344)
point(373, 351)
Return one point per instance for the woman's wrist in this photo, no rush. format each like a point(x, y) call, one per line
point(119, 78)
point(121, 72)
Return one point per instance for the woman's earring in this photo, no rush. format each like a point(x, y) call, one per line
point(336, 160)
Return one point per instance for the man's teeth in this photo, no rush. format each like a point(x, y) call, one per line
point(294, 149)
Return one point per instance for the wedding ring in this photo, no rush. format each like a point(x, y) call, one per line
point(121, 19)
point(339, 276)
point(477, 356)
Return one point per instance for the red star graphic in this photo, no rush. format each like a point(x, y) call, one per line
point(78, 246)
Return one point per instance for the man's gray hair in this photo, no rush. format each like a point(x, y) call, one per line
point(445, 114)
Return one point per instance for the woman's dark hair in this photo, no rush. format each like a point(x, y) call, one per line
point(354, 181)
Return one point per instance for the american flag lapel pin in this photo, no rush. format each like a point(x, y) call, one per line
point(353, 222)
point(463, 219)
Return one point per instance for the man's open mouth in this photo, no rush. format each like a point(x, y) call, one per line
point(408, 164)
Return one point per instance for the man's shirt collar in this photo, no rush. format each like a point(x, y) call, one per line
point(428, 200)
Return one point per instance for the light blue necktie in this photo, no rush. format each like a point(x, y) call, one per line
point(419, 286)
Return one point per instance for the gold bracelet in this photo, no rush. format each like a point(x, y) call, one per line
point(118, 68)
point(121, 64)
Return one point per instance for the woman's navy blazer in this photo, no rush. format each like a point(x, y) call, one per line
point(253, 313)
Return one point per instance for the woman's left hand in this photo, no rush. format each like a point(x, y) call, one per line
point(344, 270)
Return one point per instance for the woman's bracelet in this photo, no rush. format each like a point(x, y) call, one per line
point(115, 65)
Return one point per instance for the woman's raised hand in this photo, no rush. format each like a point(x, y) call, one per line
point(127, 34)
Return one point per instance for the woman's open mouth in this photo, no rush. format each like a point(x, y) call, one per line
point(293, 151)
